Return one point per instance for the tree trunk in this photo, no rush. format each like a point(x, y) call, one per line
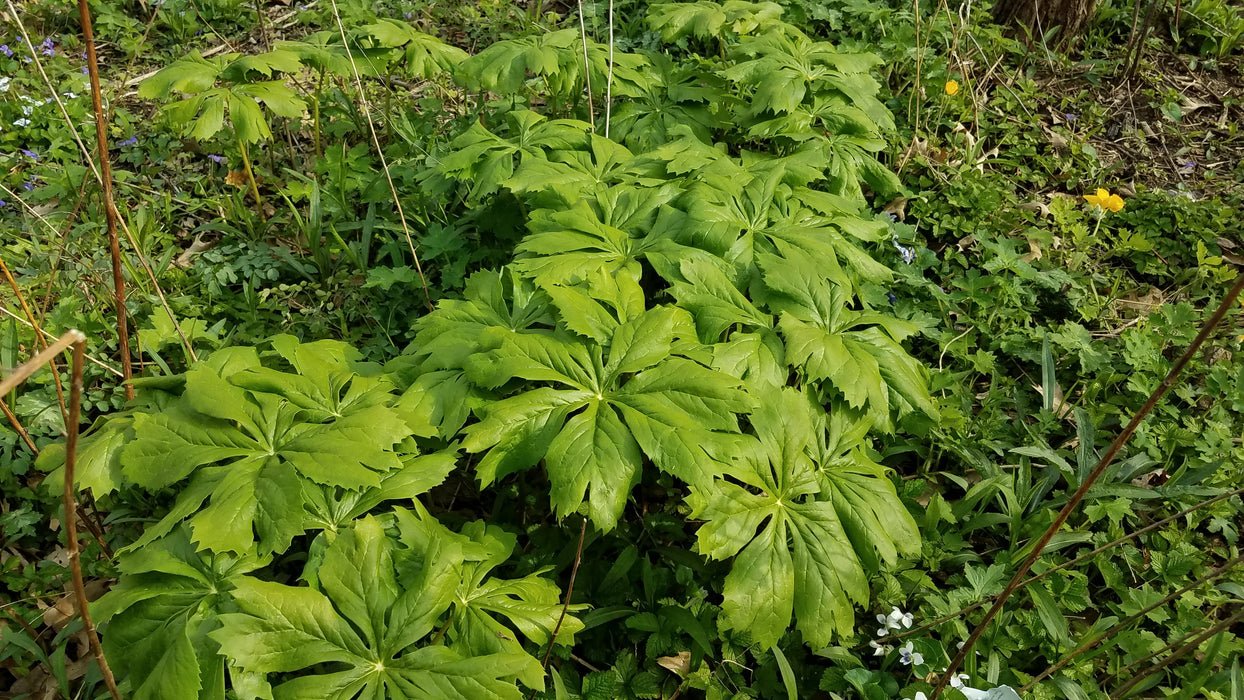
point(1037, 17)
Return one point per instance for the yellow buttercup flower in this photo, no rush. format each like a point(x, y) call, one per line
point(1105, 200)
point(952, 87)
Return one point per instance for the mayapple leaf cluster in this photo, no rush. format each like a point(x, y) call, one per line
point(686, 301)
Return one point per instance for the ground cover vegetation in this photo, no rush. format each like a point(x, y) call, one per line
point(631, 350)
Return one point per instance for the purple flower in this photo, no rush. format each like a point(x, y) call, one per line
point(906, 253)
point(30, 154)
point(891, 297)
point(47, 47)
point(85, 71)
point(217, 159)
point(28, 185)
point(1071, 117)
point(409, 15)
point(4, 49)
point(3, 203)
point(129, 142)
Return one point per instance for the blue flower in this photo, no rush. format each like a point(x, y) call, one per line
point(28, 185)
point(129, 142)
point(3, 204)
point(908, 254)
point(30, 154)
point(893, 299)
point(217, 159)
point(47, 47)
point(4, 49)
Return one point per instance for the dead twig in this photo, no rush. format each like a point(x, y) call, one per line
point(71, 520)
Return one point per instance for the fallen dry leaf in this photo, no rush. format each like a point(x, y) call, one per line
point(238, 179)
point(680, 664)
point(897, 207)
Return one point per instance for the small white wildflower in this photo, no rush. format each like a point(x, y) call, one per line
point(898, 617)
point(919, 696)
point(71, 95)
point(885, 625)
point(21, 122)
point(956, 681)
point(880, 649)
point(909, 656)
point(27, 110)
point(4, 84)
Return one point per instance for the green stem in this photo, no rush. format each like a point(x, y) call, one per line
point(250, 176)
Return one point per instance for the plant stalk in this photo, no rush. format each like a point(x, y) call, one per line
point(71, 511)
point(574, 571)
point(250, 176)
point(110, 209)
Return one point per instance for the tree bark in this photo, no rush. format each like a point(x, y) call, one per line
point(1037, 17)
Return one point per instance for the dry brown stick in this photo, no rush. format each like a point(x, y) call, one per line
point(574, 571)
point(1182, 651)
point(21, 373)
point(17, 425)
point(71, 511)
point(1065, 565)
point(1127, 621)
point(21, 299)
point(110, 210)
point(45, 334)
point(1072, 503)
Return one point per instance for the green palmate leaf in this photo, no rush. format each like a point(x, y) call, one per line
point(572, 174)
point(857, 353)
point(425, 56)
point(358, 631)
point(608, 234)
point(702, 285)
point(630, 398)
point(785, 67)
point(489, 613)
point(760, 217)
point(680, 96)
point(791, 552)
point(485, 160)
point(156, 620)
point(556, 59)
point(252, 437)
point(865, 500)
point(711, 20)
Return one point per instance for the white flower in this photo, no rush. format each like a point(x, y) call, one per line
point(919, 696)
point(885, 625)
point(909, 656)
point(4, 84)
point(21, 122)
point(956, 681)
point(71, 95)
point(898, 617)
point(880, 649)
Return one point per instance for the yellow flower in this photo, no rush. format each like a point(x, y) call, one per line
point(952, 87)
point(1105, 200)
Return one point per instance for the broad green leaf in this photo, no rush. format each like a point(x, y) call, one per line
point(155, 621)
point(357, 631)
point(255, 437)
point(792, 554)
point(599, 408)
